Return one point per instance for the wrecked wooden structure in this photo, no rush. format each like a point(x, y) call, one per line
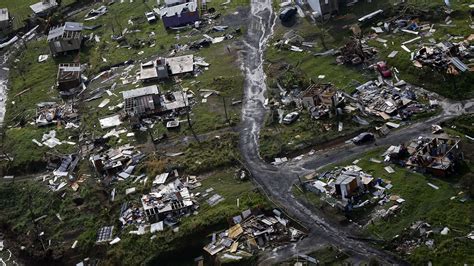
point(168, 203)
point(44, 7)
point(68, 78)
point(142, 101)
point(65, 38)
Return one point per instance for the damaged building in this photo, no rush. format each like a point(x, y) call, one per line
point(168, 202)
point(148, 101)
point(154, 70)
point(68, 78)
point(355, 52)
point(142, 101)
point(52, 113)
point(388, 100)
point(65, 38)
point(341, 186)
point(320, 99)
point(179, 13)
point(444, 56)
point(44, 7)
point(437, 156)
point(252, 231)
point(347, 184)
point(116, 162)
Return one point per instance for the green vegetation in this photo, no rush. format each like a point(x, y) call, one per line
point(24, 201)
point(290, 69)
point(32, 82)
point(20, 9)
point(423, 203)
point(326, 256)
point(208, 155)
point(456, 87)
point(193, 231)
point(281, 140)
point(463, 124)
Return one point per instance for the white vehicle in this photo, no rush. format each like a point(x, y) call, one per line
point(290, 118)
point(150, 16)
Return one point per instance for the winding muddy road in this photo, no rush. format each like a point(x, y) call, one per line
point(276, 182)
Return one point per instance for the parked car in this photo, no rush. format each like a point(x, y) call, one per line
point(363, 138)
point(384, 70)
point(150, 16)
point(290, 118)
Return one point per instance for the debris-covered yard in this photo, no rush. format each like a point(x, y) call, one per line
point(397, 201)
point(102, 160)
point(410, 48)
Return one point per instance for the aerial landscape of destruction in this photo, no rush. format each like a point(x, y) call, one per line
point(236, 132)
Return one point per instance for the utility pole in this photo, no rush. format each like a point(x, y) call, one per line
point(225, 110)
point(187, 114)
point(30, 207)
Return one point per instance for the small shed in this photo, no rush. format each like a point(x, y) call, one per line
point(154, 70)
point(4, 19)
point(346, 184)
point(65, 38)
point(69, 77)
point(142, 101)
point(44, 7)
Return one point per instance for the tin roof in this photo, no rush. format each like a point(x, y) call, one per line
point(67, 27)
point(149, 90)
point(4, 14)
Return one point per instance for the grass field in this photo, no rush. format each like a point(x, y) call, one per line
point(299, 69)
point(20, 9)
point(424, 203)
point(37, 80)
point(283, 140)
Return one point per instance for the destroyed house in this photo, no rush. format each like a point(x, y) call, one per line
point(4, 19)
point(69, 77)
point(386, 101)
point(252, 232)
point(436, 156)
point(65, 38)
point(180, 64)
point(324, 7)
point(319, 94)
point(44, 7)
point(116, 162)
point(347, 184)
point(179, 15)
point(143, 101)
point(154, 70)
point(170, 201)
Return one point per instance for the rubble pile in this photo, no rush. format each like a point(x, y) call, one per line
point(116, 163)
point(444, 56)
point(389, 101)
point(419, 234)
point(355, 52)
point(51, 113)
point(252, 232)
point(132, 214)
point(168, 200)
